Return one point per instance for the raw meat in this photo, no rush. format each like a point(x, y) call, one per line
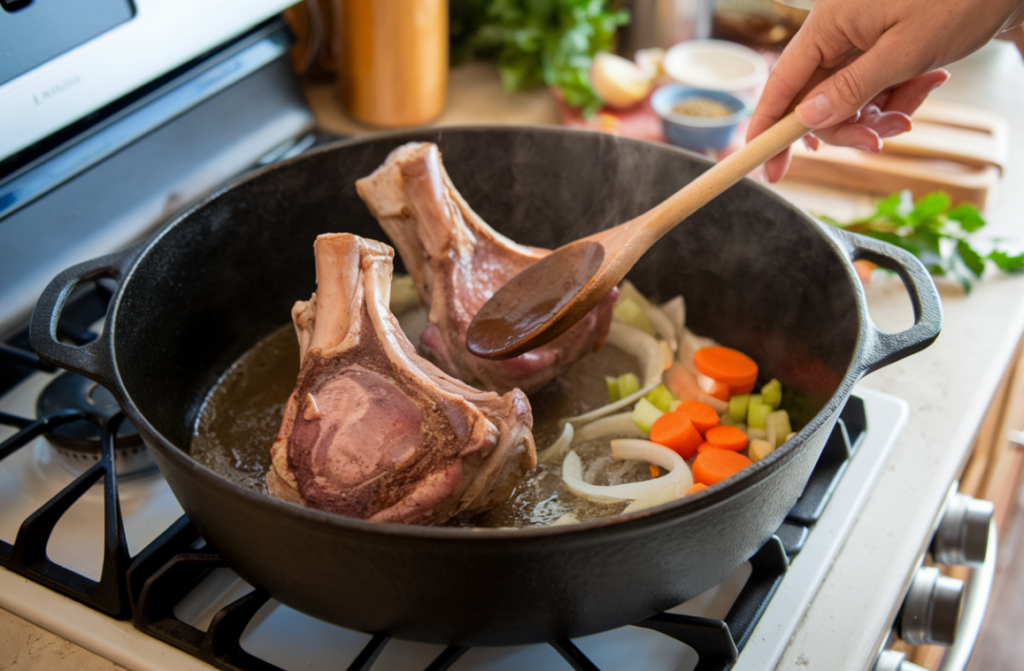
point(374, 431)
point(458, 262)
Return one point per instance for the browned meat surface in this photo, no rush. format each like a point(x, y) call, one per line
point(374, 431)
point(458, 262)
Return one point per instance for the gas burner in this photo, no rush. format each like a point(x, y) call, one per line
point(76, 445)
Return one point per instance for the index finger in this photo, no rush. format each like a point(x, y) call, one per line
point(787, 79)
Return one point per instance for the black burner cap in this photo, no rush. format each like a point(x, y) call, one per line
point(71, 391)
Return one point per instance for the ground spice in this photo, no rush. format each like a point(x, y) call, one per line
point(705, 107)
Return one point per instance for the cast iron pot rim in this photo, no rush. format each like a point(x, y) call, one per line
point(662, 514)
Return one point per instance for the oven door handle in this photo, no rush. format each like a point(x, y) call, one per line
point(976, 595)
point(94, 360)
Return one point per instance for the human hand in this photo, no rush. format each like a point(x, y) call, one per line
point(866, 66)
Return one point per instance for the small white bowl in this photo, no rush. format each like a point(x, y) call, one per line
point(717, 65)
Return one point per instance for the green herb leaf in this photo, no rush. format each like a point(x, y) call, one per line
point(967, 216)
point(934, 232)
point(929, 207)
point(972, 259)
point(538, 42)
point(890, 207)
point(1008, 263)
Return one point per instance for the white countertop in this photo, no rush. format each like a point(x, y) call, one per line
point(948, 386)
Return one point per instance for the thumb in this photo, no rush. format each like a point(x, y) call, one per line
point(850, 88)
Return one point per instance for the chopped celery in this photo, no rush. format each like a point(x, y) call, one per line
point(738, 407)
point(674, 405)
point(771, 393)
point(759, 449)
point(660, 397)
point(629, 384)
point(756, 412)
point(645, 414)
point(628, 310)
point(756, 434)
point(777, 425)
point(613, 389)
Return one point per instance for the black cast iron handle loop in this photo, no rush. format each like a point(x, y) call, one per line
point(94, 360)
point(885, 348)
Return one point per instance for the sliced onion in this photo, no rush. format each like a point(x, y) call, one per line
point(706, 383)
point(689, 343)
point(604, 410)
point(648, 351)
point(658, 319)
point(620, 426)
point(683, 383)
point(642, 347)
point(557, 449)
point(568, 518)
point(667, 487)
point(675, 310)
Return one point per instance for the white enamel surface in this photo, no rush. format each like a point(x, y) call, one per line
point(97, 72)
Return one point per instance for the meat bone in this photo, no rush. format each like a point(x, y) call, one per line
point(548, 297)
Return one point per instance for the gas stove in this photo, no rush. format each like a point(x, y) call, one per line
point(177, 605)
point(93, 545)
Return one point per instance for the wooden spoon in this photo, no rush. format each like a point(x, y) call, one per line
point(543, 301)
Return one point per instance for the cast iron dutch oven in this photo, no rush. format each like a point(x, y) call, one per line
point(758, 274)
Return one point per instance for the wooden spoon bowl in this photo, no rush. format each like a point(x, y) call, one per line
point(546, 299)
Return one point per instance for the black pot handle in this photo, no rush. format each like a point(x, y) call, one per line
point(94, 360)
point(886, 348)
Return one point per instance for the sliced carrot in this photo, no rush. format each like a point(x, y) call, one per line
point(713, 466)
point(675, 431)
point(697, 486)
point(726, 365)
point(727, 438)
point(702, 415)
point(655, 471)
point(741, 389)
point(706, 446)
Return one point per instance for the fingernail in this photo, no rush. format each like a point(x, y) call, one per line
point(944, 80)
point(893, 124)
point(874, 150)
point(815, 111)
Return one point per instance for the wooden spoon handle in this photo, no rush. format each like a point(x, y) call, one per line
point(722, 175)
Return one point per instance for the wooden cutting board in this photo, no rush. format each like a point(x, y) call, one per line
point(953, 148)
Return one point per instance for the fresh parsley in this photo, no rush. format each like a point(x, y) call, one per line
point(538, 42)
point(937, 233)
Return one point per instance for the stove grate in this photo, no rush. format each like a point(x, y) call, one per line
point(148, 586)
point(27, 556)
point(716, 642)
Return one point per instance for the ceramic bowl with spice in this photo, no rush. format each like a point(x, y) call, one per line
point(699, 119)
point(718, 65)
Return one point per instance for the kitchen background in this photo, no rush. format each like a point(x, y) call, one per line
point(611, 67)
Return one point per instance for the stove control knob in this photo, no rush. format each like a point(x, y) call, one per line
point(931, 610)
point(962, 535)
point(891, 660)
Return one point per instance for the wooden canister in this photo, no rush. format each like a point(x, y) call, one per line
point(394, 60)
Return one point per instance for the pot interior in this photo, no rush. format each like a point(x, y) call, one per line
point(757, 274)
